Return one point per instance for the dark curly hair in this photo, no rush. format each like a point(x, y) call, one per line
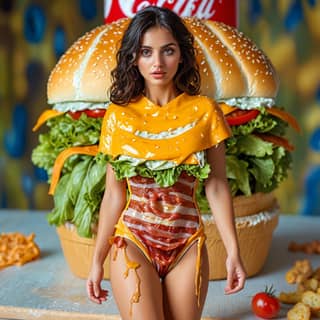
point(127, 82)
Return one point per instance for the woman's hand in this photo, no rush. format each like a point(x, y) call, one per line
point(113, 202)
point(236, 275)
point(94, 291)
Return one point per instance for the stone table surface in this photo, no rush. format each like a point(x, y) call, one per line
point(46, 289)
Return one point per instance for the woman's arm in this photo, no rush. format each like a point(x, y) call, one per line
point(113, 202)
point(220, 201)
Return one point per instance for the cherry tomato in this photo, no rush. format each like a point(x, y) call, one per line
point(238, 117)
point(96, 113)
point(265, 305)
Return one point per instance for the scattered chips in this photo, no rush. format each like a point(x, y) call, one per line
point(306, 297)
point(306, 247)
point(17, 249)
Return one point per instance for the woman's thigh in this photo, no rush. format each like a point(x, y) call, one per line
point(179, 288)
point(142, 285)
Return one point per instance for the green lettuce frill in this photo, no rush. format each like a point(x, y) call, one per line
point(164, 177)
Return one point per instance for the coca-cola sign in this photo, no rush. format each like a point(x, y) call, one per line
point(220, 10)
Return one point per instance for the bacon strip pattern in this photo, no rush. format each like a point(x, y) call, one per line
point(162, 219)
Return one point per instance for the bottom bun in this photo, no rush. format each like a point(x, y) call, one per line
point(78, 251)
point(253, 204)
point(254, 234)
point(254, 237)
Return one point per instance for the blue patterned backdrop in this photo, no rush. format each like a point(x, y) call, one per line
point(34, 34)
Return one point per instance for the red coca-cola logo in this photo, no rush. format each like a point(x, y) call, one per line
point(219, 10)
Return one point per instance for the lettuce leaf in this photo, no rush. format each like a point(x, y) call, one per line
point(251, 145)
point(63, 207)
point(237, 171)
point(89, 197)
point(254, 165)
point(165, 177)
point(65, 132)
point(78, 195)
point(77, 177)
point(281, 164)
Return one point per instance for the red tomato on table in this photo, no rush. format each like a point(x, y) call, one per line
point(265, 304)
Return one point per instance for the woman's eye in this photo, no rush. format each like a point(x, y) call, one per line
point(145, 52)
point(168, 51)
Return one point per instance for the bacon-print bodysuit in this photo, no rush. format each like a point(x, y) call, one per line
point(163, 222)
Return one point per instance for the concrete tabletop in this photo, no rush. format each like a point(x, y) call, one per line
point(46, 289)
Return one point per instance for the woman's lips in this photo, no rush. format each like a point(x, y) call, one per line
point(158, 75)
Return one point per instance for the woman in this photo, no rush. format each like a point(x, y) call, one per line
point(162, 138)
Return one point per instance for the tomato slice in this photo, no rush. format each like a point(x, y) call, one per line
point(95, 113)
point(285, 116)
point(278, 141)
point(75, 114)
point(239, 117)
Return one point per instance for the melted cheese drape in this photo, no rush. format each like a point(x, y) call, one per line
point(174, 132)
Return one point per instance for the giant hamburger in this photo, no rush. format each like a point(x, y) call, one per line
point(234, 72)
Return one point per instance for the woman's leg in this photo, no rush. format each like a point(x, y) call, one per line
point(180, 300)
point(150, 304)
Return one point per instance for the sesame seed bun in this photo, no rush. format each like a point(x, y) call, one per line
point(230, 64)
point(83, 72)
point(260, 76)
point(225, 74)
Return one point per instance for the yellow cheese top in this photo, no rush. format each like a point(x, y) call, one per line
point(173, 132)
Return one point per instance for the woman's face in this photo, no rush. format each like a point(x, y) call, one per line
point(159, 57)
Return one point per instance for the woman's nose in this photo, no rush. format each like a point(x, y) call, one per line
point(157, 60)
